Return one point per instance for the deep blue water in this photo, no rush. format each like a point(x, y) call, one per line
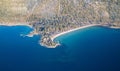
point(90, 49)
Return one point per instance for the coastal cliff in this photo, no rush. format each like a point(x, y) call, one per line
point(51, 17)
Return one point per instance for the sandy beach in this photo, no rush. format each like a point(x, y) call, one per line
point(57, 35)
point(15, 24)
point(31, 34)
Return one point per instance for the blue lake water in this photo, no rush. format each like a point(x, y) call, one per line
point(89, 49)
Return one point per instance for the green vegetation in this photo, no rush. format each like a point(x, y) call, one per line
point(50, 17)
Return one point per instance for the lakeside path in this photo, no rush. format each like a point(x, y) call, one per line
point(62, 33)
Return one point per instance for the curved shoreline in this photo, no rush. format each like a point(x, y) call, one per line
point(16, 24)
point(52, 37)
point(62, 33)
point(31, 34)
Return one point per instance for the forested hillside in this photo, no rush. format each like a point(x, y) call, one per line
point(49, 17)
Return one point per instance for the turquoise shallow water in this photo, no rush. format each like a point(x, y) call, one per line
point(89, 49)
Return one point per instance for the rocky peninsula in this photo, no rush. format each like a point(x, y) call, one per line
point(52, 18)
